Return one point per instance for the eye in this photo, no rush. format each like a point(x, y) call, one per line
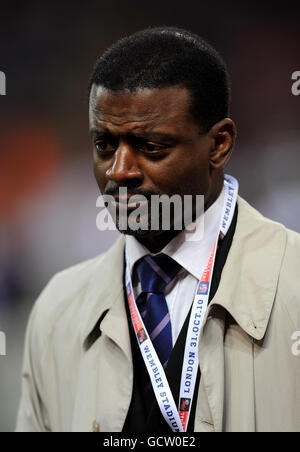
point(153, 148)
point(104, 146)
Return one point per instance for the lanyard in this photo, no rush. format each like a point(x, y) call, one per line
point(178, 417)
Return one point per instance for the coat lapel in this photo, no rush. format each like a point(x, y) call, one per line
point(105, 293)
point(106, 366)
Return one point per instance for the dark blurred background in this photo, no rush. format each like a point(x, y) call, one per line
point(47, 191)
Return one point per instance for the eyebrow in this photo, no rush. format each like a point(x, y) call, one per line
point(95, 133)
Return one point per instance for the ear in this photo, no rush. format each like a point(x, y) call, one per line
point(223, 135)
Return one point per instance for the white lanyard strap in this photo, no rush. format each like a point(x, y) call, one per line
point(178, 419)
point(190, 360)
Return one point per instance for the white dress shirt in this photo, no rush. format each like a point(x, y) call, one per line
point(192, 252)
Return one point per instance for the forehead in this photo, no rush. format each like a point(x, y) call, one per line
point(146, 106)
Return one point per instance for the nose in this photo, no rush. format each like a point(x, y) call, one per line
point(125, 168)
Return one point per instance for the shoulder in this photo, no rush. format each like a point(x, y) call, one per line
point(63, 300)
point(289, 281)
point(291, 262)
point(63, 290)
point(271, 236)
point(293, 241)
point(276, 251)
point(266, 227)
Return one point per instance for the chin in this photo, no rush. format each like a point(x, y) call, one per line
point(145, 231)
point(141, 233)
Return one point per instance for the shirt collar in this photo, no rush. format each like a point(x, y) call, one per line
point(189, 249)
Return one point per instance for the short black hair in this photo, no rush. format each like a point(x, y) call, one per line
point(166, 56)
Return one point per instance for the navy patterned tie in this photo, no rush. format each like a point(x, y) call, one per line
point(154, 273)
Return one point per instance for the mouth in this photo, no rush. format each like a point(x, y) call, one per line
point(124, 204)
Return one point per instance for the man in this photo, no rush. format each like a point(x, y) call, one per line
point(168, 330)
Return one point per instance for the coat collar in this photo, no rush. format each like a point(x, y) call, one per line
point(246, 290)
point(249, 279)
point(104, 298)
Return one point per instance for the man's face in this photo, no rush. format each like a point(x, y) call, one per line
point(148, 142)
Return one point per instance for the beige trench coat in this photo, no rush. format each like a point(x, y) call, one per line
point(248, 351)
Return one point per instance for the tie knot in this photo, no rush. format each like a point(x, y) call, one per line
point(155, 272)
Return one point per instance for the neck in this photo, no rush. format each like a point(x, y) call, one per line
point(157, 243)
